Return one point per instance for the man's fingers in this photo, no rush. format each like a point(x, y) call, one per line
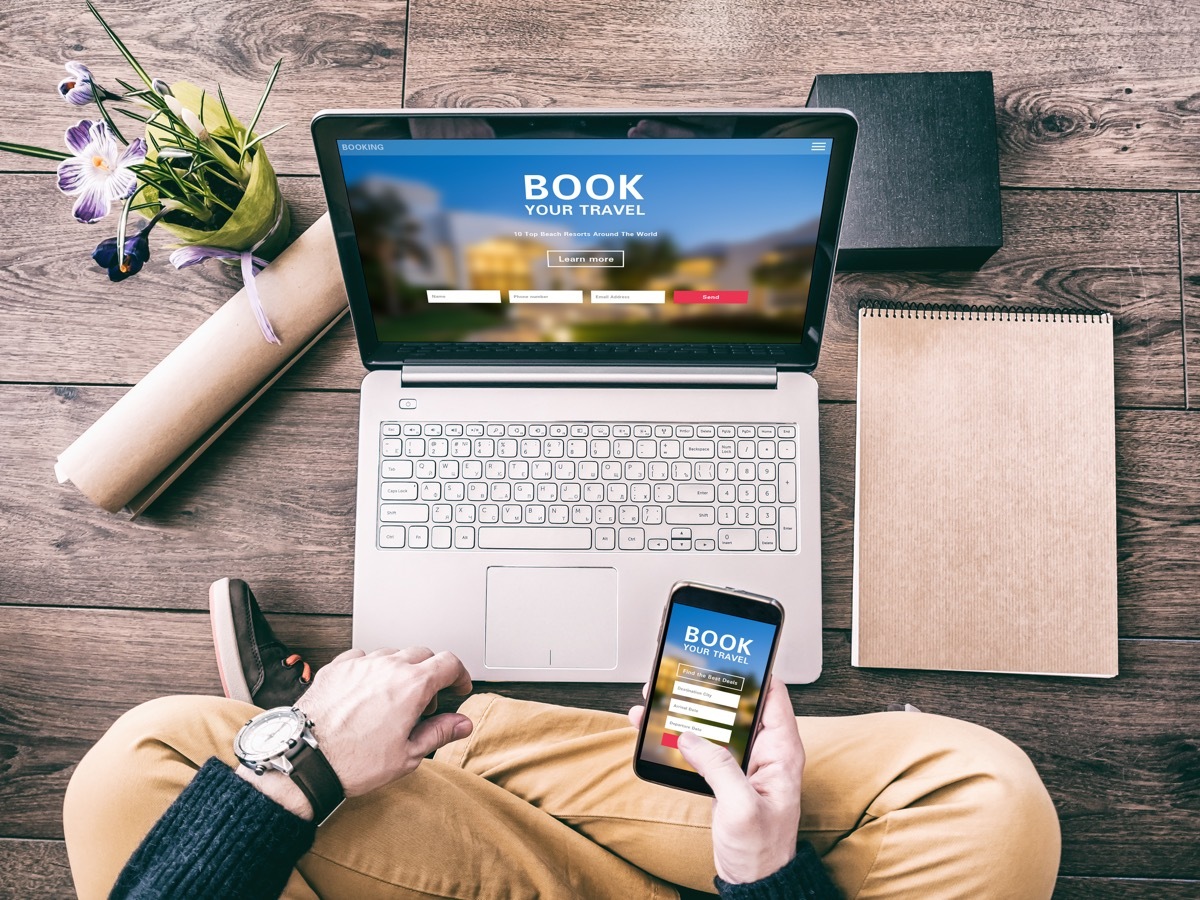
point(716, 765)
point(646, 691)
point(635, 715)
point(447, 672)
point(383, 651)
point(414, 654)
point(347, 654)
point(437, 732)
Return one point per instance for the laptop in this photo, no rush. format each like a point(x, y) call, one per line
point(590, 338)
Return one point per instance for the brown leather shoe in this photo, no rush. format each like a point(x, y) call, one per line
point(255, 666)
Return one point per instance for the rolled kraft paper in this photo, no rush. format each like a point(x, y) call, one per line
point(189, 398)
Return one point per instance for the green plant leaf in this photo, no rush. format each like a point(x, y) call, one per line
point(262, 137)
point(265, 94)
point(37, 152)
point(112, 36)
point(107, 118)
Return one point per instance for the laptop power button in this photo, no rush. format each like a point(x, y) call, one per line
point(408, 403)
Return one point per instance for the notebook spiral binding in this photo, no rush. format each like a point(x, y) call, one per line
point(892, 309)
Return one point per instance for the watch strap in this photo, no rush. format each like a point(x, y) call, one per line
point(315, 777)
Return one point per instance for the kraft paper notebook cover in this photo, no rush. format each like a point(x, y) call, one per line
point(985, 533)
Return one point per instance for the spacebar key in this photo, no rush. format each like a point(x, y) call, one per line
point(497, 538)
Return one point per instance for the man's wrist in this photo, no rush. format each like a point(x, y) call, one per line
point(280, 788)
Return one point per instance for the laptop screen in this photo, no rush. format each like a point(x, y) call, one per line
point(583, 239)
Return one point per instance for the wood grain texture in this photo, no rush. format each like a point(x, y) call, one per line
point(1120, 757)
point(34, 870)
point(1189, 251)
point(64, 322)
point(334, 54)
point(1074, 887)
point(273, 502)
point(1113, 252)
point(1088, 94)
point(38, 870)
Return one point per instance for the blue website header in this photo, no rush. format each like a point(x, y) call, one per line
point(590, 147)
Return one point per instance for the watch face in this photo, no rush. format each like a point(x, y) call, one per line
point(269, 734)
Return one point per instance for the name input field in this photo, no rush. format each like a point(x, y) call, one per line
point(700, 711)
point(463, 296)
point(706, 694)
point(711, 732)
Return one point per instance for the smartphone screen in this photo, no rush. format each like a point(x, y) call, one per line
point(712, 667)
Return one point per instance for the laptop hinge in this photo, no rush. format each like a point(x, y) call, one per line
point(594, 376)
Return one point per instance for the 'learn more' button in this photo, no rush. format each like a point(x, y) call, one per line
point(711, 296)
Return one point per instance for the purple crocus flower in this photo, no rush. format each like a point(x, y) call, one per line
point(137, 251)
point(77, 88)
point(99, 172)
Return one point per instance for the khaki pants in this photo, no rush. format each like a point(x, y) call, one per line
point(541, 801)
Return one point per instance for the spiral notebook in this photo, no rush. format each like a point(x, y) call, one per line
point(985, 534)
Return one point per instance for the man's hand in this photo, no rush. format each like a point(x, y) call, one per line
point(368, 717)
point(755, 815)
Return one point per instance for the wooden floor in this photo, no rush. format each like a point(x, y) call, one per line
point(1098, 106)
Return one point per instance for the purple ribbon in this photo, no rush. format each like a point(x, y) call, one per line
point(251, 265)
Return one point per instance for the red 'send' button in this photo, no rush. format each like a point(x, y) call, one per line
point(712, 296)
point(670, 740)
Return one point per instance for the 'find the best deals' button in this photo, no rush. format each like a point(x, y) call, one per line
point(712, 296)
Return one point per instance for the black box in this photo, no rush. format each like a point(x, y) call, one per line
point(925, 188)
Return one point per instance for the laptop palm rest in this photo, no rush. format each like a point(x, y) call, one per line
point(543, 617)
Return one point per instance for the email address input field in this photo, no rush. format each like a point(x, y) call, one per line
point(711, 732)
point(706, 694)
point(700, 711)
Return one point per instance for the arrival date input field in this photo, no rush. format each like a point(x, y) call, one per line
point(707, 694)
point(700, 711)
point(711, 732)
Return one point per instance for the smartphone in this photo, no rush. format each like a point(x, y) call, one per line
point(715, 651)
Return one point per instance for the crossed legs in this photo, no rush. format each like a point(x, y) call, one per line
point(541, 801)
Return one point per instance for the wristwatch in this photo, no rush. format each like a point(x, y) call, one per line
point(282, 739)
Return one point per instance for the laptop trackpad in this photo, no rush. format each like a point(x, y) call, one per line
point(551, 618)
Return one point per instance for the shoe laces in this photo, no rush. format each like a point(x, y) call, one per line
point(296, 659)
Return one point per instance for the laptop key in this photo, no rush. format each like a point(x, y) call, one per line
point(391, 536)
point(737, 539)
point(534, 538)
point(403, 512)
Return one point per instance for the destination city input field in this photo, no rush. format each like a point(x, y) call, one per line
point(700, 711)
point(711, 732)
point(707, 694)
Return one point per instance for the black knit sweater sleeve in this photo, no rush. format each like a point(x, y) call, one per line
point(804, 878)
point(220, 838)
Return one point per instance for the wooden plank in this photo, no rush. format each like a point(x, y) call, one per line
point(34, 870)
point(1088, 94)
point(334, 54)
point(279, 488)
point(1189, 250)
point(66, 323)
point(1113, 252)
point(1118, 756)
point(1074, 887)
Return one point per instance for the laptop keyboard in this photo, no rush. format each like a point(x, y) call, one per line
point(617, 486)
